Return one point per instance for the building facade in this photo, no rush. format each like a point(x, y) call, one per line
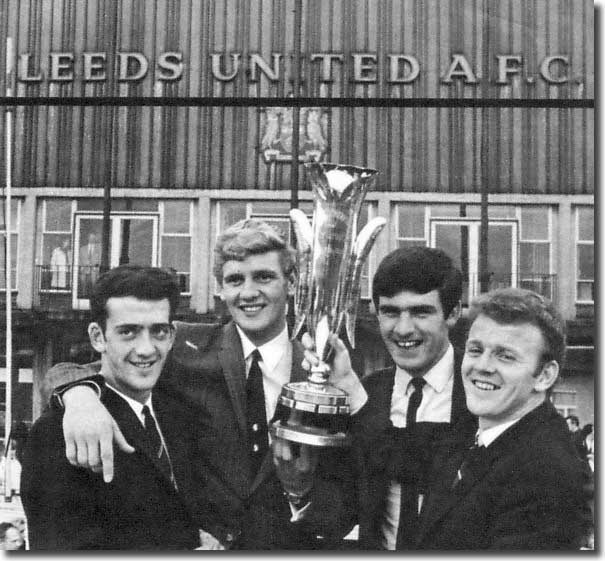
point(143, 128)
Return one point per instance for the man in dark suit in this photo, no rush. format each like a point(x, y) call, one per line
point(148, 505)
point(523, 485)
point(397, 433)
point(212, 369)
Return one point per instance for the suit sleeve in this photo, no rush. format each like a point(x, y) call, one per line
point(549, 509)
point(59, 499)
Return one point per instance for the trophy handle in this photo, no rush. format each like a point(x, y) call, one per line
point(363, 244)
point(304, 242)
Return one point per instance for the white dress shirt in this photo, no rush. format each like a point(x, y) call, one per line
point(276, 365)
point(435, 407)
point(487, 436)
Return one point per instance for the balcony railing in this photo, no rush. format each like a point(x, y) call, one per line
point(54, 287)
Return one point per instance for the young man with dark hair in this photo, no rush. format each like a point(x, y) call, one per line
point(233, 373)
point(150, 504)
point(522, 486)
point(414, 408)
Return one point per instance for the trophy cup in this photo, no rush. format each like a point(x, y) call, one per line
point(330, 258)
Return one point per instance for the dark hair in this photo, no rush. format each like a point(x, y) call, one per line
point(573, 419)
point(143, 283)
point(516, 305)
point(421, 270)
point(251, 237)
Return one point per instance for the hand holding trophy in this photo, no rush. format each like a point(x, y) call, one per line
point(330, 261)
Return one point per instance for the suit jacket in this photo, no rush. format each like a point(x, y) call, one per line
point(530, 491)
point(72, 508)
point(372, 450)
point(205, 373)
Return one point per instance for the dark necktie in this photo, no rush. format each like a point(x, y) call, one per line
point(256, 413)
point(408, 512)
point(414, 401)
point(156, 444)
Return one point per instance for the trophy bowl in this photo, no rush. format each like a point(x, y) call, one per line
point(330, 259)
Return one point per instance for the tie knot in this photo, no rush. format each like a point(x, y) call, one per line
point(418, 383)
point(256, 356)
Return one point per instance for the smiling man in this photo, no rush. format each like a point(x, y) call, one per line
point(150, 504)
point(232, 373)
point(523, 485)
point(414, 408)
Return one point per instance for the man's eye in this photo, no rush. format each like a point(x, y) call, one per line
point(474, 351)
point(506, 357)
point(161, 332)
point(264, 277)
point(127, 332)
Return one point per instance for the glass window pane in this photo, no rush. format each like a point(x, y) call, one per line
point(58, 215)
point(13, 261)
point(534, 259)
point(410, 243)
point(411, 220)
point(534, 223)
point(14, 208)
point(500, 211)
point(447, 211)
point(144, 205)
point(230, 213)
point(586, 262)
point(176, 253)
point(271, 207)
point(586, 291)
point(90, 204)
point(585, 224)
point(176, 217)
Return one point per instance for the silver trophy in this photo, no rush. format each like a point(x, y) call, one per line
point(330, 260)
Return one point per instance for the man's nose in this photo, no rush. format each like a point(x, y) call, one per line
point(145, 344)
point(249, 289)
point(485, 362)
point(404, 324)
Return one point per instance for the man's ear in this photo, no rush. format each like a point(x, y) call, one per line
point(96, 336)
point(547, 376)
point(454, 316)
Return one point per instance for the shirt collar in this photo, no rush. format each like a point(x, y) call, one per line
point(487, 436)
point(437, 377)
point(135, 405)
point(271, 351)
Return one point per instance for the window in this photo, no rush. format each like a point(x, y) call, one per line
point(56, 252)
point(410, 224)
point(15, 221)
point(176, 240)
point(585, 254)
point(534, 250)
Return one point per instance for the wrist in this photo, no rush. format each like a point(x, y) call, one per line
point(76, 395)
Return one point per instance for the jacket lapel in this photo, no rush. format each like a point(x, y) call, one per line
point(232, 362)
point(132, 429)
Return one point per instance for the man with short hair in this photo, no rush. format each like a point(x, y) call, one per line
point(233, 373)
point(522, 486)
point(414, 408)
point(150, 503)
point(577, 436)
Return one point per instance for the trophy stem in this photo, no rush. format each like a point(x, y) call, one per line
point(319, 374)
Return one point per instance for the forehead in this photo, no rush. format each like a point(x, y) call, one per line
point(524, 337)
point(130, 310)
point(407, 299)
point(259, 262)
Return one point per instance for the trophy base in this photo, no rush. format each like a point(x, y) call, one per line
point(314, 414)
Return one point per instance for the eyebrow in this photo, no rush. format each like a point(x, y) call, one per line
point(420, 308)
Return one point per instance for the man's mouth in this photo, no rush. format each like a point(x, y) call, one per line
point(409, 344)
point(143, 365)
point(485, 386)
point(251, 308)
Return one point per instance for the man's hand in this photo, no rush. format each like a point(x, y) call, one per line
point(90, 431)
point(295, 465)
point(209, 543)
point(342, 374)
